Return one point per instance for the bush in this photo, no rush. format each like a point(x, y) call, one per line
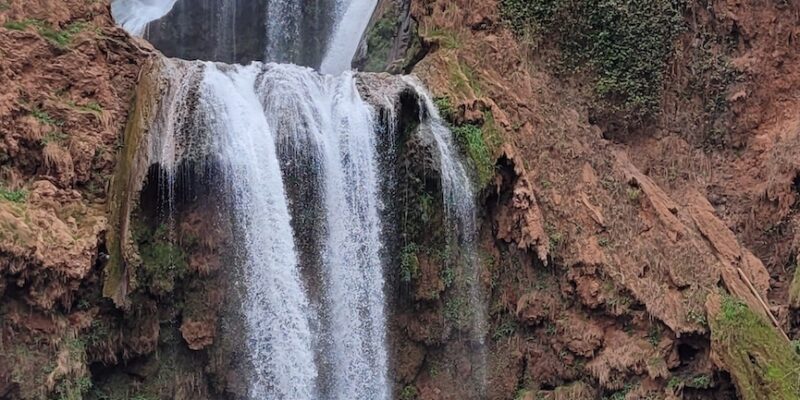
point(625, 43)
point(14, 196)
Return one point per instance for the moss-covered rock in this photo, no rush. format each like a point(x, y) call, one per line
point(762, 364)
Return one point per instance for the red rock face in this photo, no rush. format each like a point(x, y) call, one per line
point(636, 231)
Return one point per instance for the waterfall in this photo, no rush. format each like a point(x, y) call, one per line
point(134, 15)
point(347, 35)
point(278, 316)
point(459, 204)
point(297, 155)
point(326, 116)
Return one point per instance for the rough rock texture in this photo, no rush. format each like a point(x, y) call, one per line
point(600, 253)
point(68, 77)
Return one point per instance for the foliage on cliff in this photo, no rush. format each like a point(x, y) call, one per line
point(763, 365)
point(625, 43)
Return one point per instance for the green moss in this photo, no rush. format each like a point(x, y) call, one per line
point(91, 107)
point(409, 263)
point(18, 25)
point(163, 262)
point(14, 196)
point(505, 329)
point(379, 42)
point(445, 107)
point(74, 386)
point(54, 137)
point(464, 80)
point(60, 38)
point(409, 392)
point(761, 363)
point(626, 43)
point(43, 117)
point(471, 138)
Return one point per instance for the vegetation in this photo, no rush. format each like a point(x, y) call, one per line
point(476, 141)
point(447, 39)
point(43, 117)
point(14, 196)
point(464, 80)
point(710, 75)
point(92, 107)
point(60, 38)
point(409, 392)
point(379, 42)
point(445, 107)
point(163, 262)
point(470, 138)
point(761, 363)
point(505, 329)
point(409, 263)
point(625, 43)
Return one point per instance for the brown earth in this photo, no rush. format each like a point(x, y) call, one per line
point(69, 77)
point(603, 251)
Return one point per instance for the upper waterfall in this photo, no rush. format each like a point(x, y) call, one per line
point(347, 34)
point(134, 15)
point(233, 31)
point(298, 154)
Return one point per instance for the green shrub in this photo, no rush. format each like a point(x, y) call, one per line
point(163, 262)
point(60, 38)
point(625, 43)
point(14, 196)
point(409, 392)
point(471, 138)
point(379, 42)
point(409, 263)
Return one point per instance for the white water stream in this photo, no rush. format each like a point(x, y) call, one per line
point(331, 344)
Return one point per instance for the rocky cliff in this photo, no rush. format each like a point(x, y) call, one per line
point(638, 206)
point(638, 237)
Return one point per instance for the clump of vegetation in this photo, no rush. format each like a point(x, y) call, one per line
point(409, 392)
point(44, 117)
point(379, 42)
point(92, 107)
point(163, 262)
point(555, 237)
point(471, 138)
point(464, 79)
point(409, 263)
point(60, 38)
point(445, 107)
point(698, 317)
point(445, 38)
point(457, 311)
point(760, 361)
point(505, 329)
point(14, 196)
point(620, 394)
point(625, 43)
point(710, 75)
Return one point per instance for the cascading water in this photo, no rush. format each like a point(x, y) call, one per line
point(347, 35)
point(134, 15)
point(298, 155)
point(458, 199)
point(278, 316)
point(327, 117)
